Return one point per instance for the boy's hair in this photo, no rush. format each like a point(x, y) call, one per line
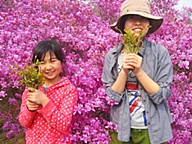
point(122, 26)
point(51, 46)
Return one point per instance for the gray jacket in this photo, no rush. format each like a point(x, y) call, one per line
point(157, 64)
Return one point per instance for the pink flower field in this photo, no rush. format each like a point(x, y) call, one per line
point(83, 30)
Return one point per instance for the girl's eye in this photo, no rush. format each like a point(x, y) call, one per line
point(41, 63)
point(53, 60)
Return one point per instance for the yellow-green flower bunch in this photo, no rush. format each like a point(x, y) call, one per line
point(131, 41)
point(31, 76)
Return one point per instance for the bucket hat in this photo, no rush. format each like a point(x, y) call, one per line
point(137, 7)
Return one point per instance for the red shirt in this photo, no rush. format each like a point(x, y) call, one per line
point(50, 125)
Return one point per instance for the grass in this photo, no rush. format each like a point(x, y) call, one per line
point(18, 139)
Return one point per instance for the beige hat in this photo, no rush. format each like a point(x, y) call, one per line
point(141, 8)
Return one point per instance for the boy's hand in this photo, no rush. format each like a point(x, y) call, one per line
point(132, 62)
point(126, 67)
point(37, 97)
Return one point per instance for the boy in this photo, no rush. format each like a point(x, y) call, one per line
point(139, 83)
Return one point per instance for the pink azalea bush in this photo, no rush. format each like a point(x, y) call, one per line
point(83, 29)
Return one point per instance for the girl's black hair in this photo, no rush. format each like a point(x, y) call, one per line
point(45, 46)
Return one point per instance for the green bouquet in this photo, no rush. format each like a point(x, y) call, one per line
point(31, 76)
point(132, 42)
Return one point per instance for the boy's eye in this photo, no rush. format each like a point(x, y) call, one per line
point(131, 17)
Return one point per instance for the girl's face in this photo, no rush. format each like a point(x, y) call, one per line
point(136, 24)
point(51, 68)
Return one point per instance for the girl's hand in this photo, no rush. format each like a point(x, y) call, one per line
point(37, 97)
point(32, 106)
point(132, 62)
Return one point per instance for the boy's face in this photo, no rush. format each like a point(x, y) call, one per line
point(136, 24)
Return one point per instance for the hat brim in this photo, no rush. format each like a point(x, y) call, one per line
point(155, 21)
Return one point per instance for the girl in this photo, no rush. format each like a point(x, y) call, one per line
point(46, 112)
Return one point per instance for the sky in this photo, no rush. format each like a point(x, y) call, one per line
point(182, 3)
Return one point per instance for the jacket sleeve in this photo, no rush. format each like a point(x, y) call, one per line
point(163, 77)
point(26, 117)
point(59, 117)
point(108, 79)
